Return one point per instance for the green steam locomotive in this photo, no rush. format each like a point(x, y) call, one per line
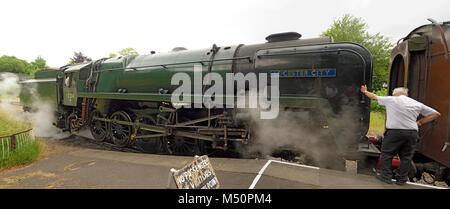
point(129, 99)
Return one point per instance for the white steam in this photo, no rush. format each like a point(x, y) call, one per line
point(305, 131)
point(42, 114)
point(9, 86)
point(42, 118)
point(9, 92)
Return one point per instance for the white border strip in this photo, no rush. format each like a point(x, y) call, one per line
point(259, 174)
point(295, 164)
point(255, 181)
point(276, 161)
point(424, 185)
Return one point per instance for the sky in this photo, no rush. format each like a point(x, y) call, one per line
point(55, 29)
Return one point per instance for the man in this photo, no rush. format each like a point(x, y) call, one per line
point(401, 131)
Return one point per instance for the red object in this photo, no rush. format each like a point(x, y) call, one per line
point(373, 139)
point(395, 162)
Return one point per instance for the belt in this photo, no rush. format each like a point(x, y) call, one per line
point(389, 129)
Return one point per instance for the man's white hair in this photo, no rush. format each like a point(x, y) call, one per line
point(400, 91)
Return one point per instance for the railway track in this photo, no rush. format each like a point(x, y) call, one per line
point(116, 148)
point(86, 141)
point(109, 145)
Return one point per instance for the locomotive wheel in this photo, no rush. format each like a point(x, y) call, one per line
point(120, 133)
point(179, 145)
point(162, 120)
point(148, 145)
point(70, 124)
point(99, 129)
point(206, 147)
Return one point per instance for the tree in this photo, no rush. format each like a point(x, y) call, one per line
point(350, 28)
point(78, 57)
point(124, 52)
point(13, 65)
point(38, 64)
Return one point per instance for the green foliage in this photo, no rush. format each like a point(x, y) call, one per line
point(10, 125)
point(124, 52)
point(38, 64)
point(27, 147)
point(377, 123)
point(15, 65)
point(352, 29)
point(27, 152)
point(127, 51)
point(374, 106)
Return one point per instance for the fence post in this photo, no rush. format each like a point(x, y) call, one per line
point(3, 149)
point(17, 141)
point(13, 142)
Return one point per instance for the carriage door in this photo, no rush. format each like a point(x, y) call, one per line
point(417, 70)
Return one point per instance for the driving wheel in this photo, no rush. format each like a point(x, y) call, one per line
point(120, 133)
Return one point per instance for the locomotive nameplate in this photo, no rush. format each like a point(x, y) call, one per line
point(305, 73)
point(197, 175)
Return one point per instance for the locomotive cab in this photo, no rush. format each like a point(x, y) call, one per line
point(73, 80)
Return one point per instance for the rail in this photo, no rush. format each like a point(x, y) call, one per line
point(14, 141)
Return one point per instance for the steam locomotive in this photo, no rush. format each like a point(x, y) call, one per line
point(128, 99)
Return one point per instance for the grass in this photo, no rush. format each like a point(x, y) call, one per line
point(27, 147)
point(377, 123)
point(22, 155)
point(9, 125)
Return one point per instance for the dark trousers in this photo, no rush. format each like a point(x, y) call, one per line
point(403, 143)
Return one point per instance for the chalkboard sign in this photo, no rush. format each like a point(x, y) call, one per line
point(197, 175)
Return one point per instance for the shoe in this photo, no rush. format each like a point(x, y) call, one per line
point(387, 181)
point(400, 182)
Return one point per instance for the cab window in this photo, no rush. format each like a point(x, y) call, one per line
point(68, 79)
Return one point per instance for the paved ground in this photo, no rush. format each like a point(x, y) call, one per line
point(76, 163)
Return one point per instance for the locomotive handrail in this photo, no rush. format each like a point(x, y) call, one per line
point(443, 39)
point(192, 62)
point(180, 63)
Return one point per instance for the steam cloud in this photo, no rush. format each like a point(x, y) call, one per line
point(42, 115)
point(304, 132)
